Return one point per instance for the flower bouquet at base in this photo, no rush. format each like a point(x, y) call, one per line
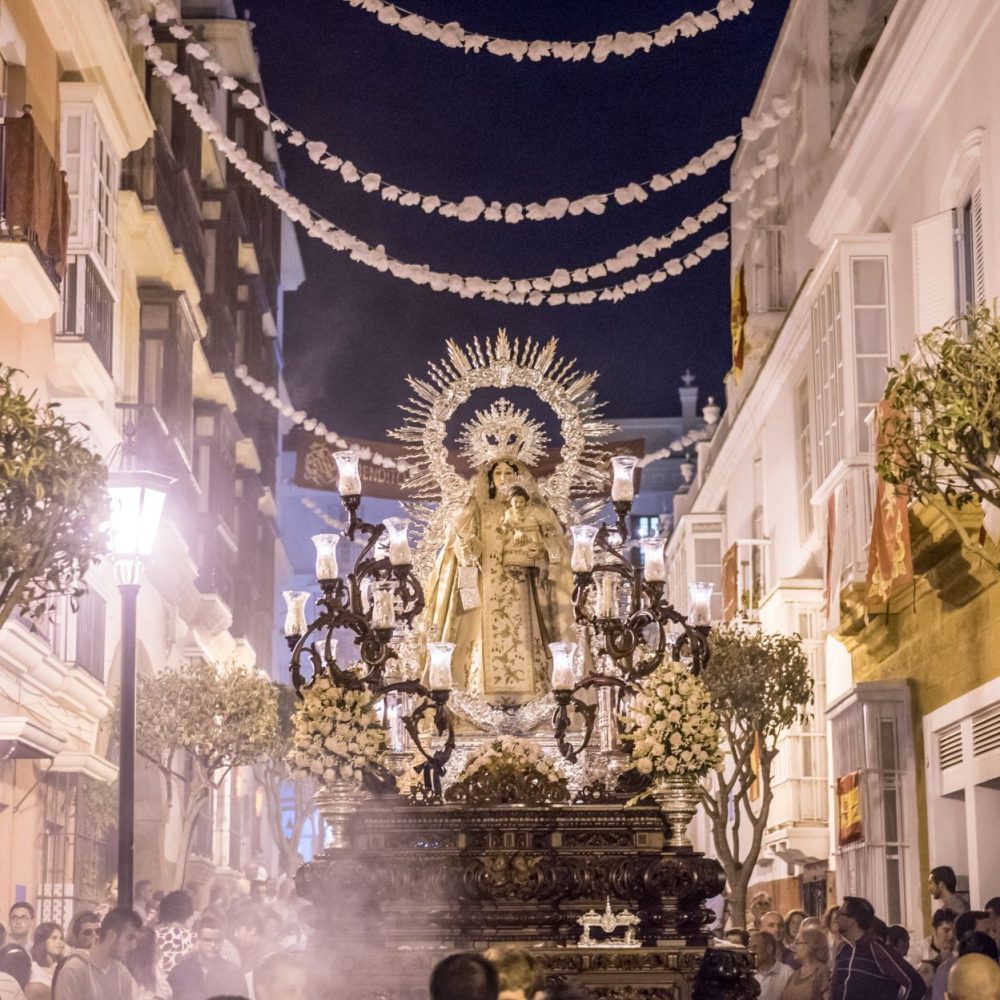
point(671, 730)
point(508, 770)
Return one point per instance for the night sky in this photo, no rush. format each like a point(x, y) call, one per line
point(440, 121)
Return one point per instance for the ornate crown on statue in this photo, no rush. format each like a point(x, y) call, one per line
point(502, 432)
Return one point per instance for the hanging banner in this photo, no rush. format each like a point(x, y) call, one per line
point(849, 827)
point(738, 313)
point(315, 468)
point(890, 560)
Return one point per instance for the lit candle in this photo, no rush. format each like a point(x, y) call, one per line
point(563, 674)
point(295, 611)
point(383, 605)
point(440, 666)
point(607, 595)
point(348, 473)
point(582, 560)
point(654, 563)
point(399, 545)
point(326, 556)
point(622, 486)
point(700, 603)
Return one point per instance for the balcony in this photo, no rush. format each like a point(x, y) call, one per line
point(34, 221)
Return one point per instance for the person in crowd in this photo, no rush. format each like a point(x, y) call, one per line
point(174, 939)
point(82, 932)
point(759, 905)
point(774, 924)
point(993, 909)
point(965, 924)
point(10, 989)
point(793, 922)
point(110, 898)
point(46, 950)
point(228, 951)
point(21, 919)
point(898, 937)
point(812, 922)
point(520, 973)
point(464, 976)
point(142, 963)
point(942, 884)
point(246, 931)
point(772, 975)
point(881, 930)
point(974, 977)
point(811, 980)
point(865, 968)
point(832, 927)
point(281, 977)
point(16, 963)
point(142, 899)
point(737, 935)
point(928, 954)
point(100, 974)
point(205, 973)
point(3, 935)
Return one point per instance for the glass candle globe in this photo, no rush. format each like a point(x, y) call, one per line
point(623, 486)
point(348, 473)
point(582, 560)
point(326, 556)
point(439, 671)
point(563, 674)
point(399, 545)
point(654, 561)
point(295, 611)
point(700, 603)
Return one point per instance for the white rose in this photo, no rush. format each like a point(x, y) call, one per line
point(346, 771)
point(644, 765)
point(671, 764)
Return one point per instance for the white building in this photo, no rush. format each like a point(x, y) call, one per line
point(880, 221)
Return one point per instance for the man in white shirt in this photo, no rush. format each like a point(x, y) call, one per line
point(280, 977)
point(771, 974)
point(100, 974)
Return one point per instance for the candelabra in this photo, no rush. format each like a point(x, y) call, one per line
point(380, 593)
point(600, 572)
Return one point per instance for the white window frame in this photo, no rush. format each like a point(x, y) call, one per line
point(683, 567)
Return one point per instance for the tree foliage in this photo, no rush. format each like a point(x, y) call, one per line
point(53, 503)
point(274, 775)
point(221, 717)
point(942, 440)
point(761, 686)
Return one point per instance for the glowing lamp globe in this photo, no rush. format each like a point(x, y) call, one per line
point(137, 500)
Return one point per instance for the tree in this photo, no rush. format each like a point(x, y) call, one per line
point(274, 774)
point(221, 717)
point(53, 503)
point(761, 686)
point(942, 436)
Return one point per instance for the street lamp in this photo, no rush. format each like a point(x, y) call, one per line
point(136, 505)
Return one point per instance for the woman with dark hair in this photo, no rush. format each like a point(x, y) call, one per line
point(174, 939)
point(141, 961)
point(16, 963)
point(46, 950)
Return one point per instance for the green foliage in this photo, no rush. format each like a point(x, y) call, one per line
point(943, 438)
point(760, 683)
point(223, 717)
point(761, 686)
point(101, 798)
point(53, 504)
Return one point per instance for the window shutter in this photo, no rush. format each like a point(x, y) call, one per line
point(934, 262)
point(978, 247)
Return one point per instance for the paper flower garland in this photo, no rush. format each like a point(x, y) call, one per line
point(622, 43)
point(471, 208)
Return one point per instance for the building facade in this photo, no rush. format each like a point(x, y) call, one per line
point(170, 275)
point(878, 223)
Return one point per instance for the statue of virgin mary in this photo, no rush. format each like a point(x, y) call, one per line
point(501, 587)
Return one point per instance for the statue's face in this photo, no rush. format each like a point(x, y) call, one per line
point(503, 473)
point(518, 502)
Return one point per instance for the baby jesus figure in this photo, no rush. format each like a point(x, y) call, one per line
point(526, 530)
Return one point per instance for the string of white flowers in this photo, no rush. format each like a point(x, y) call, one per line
point(331, 522)
point(466, 286)
point(472, 207)
point(679, 445)
point(622, 43)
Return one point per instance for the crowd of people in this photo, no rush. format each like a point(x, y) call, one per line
point(241, 945)
point(249, 945)
point(850, 954)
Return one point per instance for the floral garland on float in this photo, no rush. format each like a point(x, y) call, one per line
point(673, 731)
point(506, 770)
point(338, 740)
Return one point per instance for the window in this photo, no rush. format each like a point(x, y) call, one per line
point(870, 305)
point(803, 449)
point(90, 618)
point(828, 376)
point(166, 356)
point(766, 270)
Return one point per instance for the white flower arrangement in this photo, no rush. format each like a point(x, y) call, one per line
point(511, 753)
point(671, 725)
point(337, 735)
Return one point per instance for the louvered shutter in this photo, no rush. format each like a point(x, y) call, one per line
point(977, 246)
point(934, 263)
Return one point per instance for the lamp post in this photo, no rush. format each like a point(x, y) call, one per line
point(136, 504)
